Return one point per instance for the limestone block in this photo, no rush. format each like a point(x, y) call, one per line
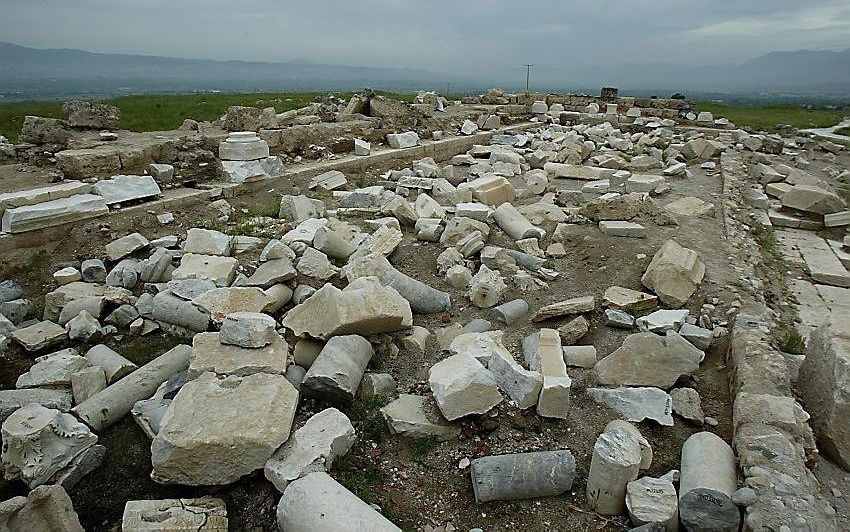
point(214, 433)
point(44, 508)
point(243, 146)
point(204, 514)
point(823, 382)
point(492, 190)
point(123, 188)
point(11, 400)
point(53, 370)
point(210, 354)
point(219, 302)
point(362, 307)
point(39, 336)
point(55, 212)
point(674, 274)
point(462, 386)
point(647, 359)
point(220, 270)
point(314, 447)
point(636, 404)
point(403, 140)
point(409, 417)
point(207, 242)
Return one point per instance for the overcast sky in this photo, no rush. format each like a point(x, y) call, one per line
point(464, 36)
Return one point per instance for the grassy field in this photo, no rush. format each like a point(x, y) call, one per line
point(767, 117)
point(843, 131)
point(167, 111)
point(164, 111)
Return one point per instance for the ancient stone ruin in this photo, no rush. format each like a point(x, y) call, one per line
point(367, 314)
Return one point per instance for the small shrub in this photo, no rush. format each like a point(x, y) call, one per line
point(792, 342)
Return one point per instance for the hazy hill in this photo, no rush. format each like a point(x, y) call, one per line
point(63, 72)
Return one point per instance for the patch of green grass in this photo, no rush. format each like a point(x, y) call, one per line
point(843, 131)
point(371, 421)
point(420, 447)
point(159, 112)
point(357, 477)
point(765, 237)
point(767, 117)
point(791, 341)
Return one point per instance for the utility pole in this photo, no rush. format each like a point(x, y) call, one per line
point(527, 75)
point(448, 89)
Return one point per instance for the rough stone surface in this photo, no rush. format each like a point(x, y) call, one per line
point(462, 386)
point(204, 514)
point(674, 274)
point(647, 359)
point(636, 404)
point(325, 437)
point(363, 307)
point(210, 354)
point(214, 433)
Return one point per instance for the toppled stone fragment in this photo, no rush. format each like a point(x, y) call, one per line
point(40, 442)
point(363, 307)
point(39, 336)
point(44, 508)
point(636, 404)
point(486, 287)
point(462, 386)
point(248, 329)
point(575, 305)
point(207, 242)
point(687, 403)
point(408, 416)
point(205, 438)
point(204, 514)
point(336, 373)
point(674, 274)
point(114, 402)
point(210, 354)
point(318, 502)
point(314, 447)
point(113, 364)
point(627, 300)
point(522, 476)
point(647, 359)
point(55, 369)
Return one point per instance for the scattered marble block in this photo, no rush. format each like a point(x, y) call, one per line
point(124, 188)
point(50, 213)
point(39, 443)
point(204, 514)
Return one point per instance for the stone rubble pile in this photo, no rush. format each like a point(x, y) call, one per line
point(282, 335)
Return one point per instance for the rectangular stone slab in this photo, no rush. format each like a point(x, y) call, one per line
point(55, 212)
point(123, 188)
point(22, 198)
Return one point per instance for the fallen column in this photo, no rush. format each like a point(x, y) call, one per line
point(115, 401)
point(522, 476)
point(653, 500)
point(318, 502)
point(515, 224)
point(508, 313)
point(708, 480)
point(113, 364)
point(337, 371)
point(616, 461)
point(423, 299)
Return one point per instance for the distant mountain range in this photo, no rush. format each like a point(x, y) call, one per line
point(30, 72)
